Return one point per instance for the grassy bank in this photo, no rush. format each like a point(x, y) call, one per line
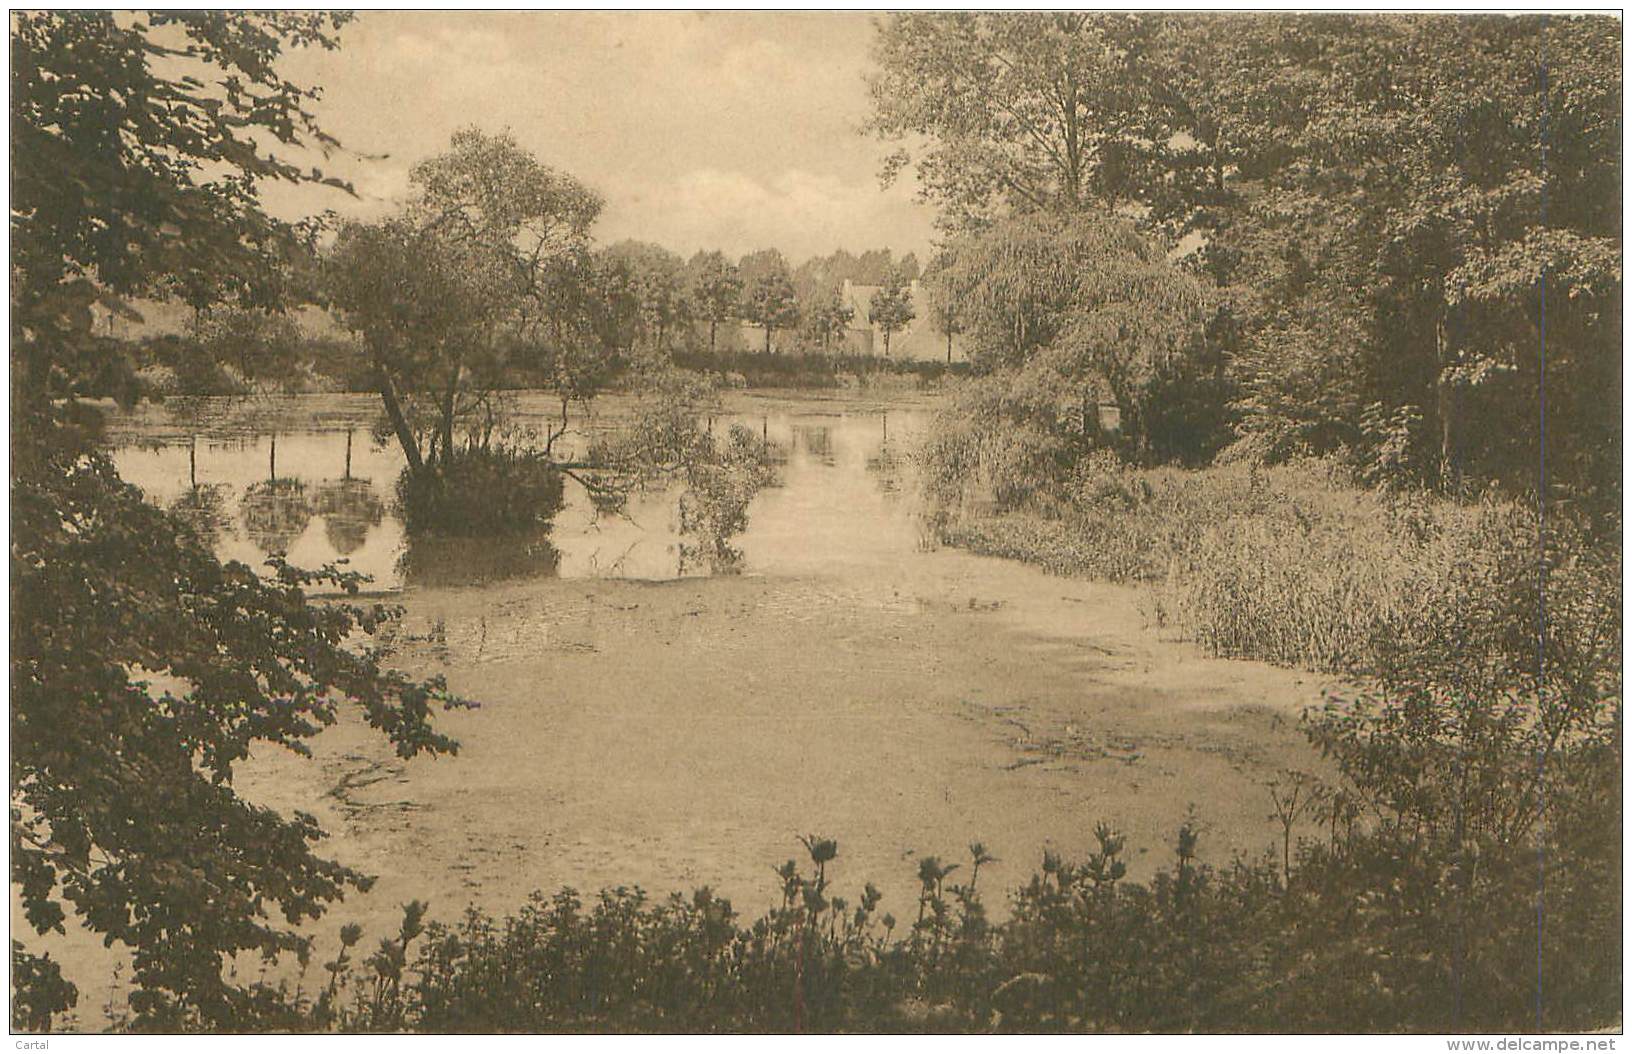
point(1293, 564)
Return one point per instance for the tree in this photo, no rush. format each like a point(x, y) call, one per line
point(827, 318)
point(142, 668)
point(1334, 174)
point(715, 287)
point(771, 301)
point(890, 308)
point(448, 295)
point(943, 307)
point(1015, 111)
point(660, 288)
point(1075, 305)
point(261, 348)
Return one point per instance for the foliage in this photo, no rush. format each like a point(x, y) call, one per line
point(1253, 946)
point(770, 301)
point(1024, 111)
point(714, 507)
point(143, 669)
point(715, 287)
point(481, 492)
point(1294, 564)
point(484, 267)
point(659, 285)
point(261, 349)
point(1066, 312)
point(826, 319)
point(1385, 206)
point(890, 308)
point(813, 369)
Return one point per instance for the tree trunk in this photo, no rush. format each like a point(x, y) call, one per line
point(713, 325)
point(1450, 471)
point(949, 349)
point(448, 401)
point(767, 339)
point(399, 424)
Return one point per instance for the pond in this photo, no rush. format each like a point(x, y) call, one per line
point(305, 478)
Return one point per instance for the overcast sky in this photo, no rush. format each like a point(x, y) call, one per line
point(736, 131)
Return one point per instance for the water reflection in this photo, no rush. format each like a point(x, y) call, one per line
point(885, 467)
point(204, 508)
point(838, 500)
point(350, 509)
point(815, 440)
point(476, 561)
point(276, 513)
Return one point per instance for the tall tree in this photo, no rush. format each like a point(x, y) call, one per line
point(1013, 111)
point(771, 302)
point(1075, 305)
point(660, 285)
point(890, 309)
point(715, 287)
point(462, 281)
point(826, 319)
point(142, 668)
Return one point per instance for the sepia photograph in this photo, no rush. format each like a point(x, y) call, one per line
point(816, 522)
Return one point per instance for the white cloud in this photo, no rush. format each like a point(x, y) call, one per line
point(734, 130)
point(800, 212)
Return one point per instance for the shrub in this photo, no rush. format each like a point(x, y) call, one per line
point(481, 491)
point(1292, 564)
point(1373, 929)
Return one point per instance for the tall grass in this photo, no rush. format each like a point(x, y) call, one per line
point(1293, 564)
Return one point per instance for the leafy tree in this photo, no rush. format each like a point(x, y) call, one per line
point(142, 668)
point(771, 301)
point(1073, 306)
point(263, 349)
point(890, 308)
point(944, 313)
point(827, 318)
point(1404, 181)
point(715, 287)
point(660, 287)
point(1015, 111)
point(458, 288)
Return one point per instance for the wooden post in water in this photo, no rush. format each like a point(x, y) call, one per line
point(886, 416)
point(192, 463)
point(765, 429)
point(348, 453)
point(272, 460)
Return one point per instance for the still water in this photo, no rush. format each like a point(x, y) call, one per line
point(304, 477)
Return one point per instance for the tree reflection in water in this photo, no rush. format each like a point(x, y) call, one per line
point(275, 514)
point(886, 467)
point(815, 440)
point(350, 509)
point(434, 561)
point(203, 507)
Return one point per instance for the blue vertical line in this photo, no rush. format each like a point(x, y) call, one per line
point(1541, 561)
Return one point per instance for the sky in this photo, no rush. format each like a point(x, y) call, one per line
point(729, 130)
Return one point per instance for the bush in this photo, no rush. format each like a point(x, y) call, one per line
point(1292, 564)
point(479, 492)
point(1372, 929)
